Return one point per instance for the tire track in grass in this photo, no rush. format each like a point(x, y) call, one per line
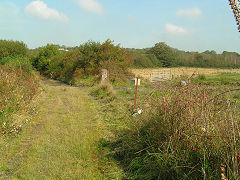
point(61, 143)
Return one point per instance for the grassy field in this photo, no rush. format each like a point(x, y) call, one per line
point(176, 72)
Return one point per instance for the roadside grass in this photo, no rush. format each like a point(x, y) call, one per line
point(61, 142)
point(86, 81)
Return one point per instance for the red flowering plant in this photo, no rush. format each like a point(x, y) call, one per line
point(191, 127)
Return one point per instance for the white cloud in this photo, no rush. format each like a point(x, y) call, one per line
point(190, 13)
point(91, 6)
point(173, 29)
point(41, 10)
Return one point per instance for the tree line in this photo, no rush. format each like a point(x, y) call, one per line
point(88, 59)
point(162, 55)
point(81, 62)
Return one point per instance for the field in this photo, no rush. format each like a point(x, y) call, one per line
point(145, 73)
point(182, 132)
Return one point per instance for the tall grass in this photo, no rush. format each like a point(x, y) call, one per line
point(184, 133)
point(17, 88)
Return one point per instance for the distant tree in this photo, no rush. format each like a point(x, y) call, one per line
point(164, 53)
point(142, 61)
point(210, 52)
point(145, 61)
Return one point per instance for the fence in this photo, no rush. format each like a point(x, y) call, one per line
point(161, 75)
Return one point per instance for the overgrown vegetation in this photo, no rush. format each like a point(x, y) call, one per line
point(17, 88)
point(18, 83)
point(185, 132)
point(83, 62)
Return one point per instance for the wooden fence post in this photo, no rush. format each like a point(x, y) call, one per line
point(135, 101)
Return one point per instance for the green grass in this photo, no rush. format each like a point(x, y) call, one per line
point(87, 81)
point(61, 142)
point(219, 79)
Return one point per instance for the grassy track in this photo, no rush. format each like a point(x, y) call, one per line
point(61, 142)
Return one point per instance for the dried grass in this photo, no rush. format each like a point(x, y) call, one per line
point(177, 72)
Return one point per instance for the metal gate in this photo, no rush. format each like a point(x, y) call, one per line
point(161, 75)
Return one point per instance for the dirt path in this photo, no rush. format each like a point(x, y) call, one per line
point(60, 142)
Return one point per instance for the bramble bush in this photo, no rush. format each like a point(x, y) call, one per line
point(184, 133)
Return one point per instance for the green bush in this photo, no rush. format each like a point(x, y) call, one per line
point(20, 62)
point(88, 60)
point(12, 48)
point(42, 61)
point(64, 66)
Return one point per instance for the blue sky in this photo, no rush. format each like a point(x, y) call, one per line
point(191, 25)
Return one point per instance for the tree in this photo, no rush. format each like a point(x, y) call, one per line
point(164, 53)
